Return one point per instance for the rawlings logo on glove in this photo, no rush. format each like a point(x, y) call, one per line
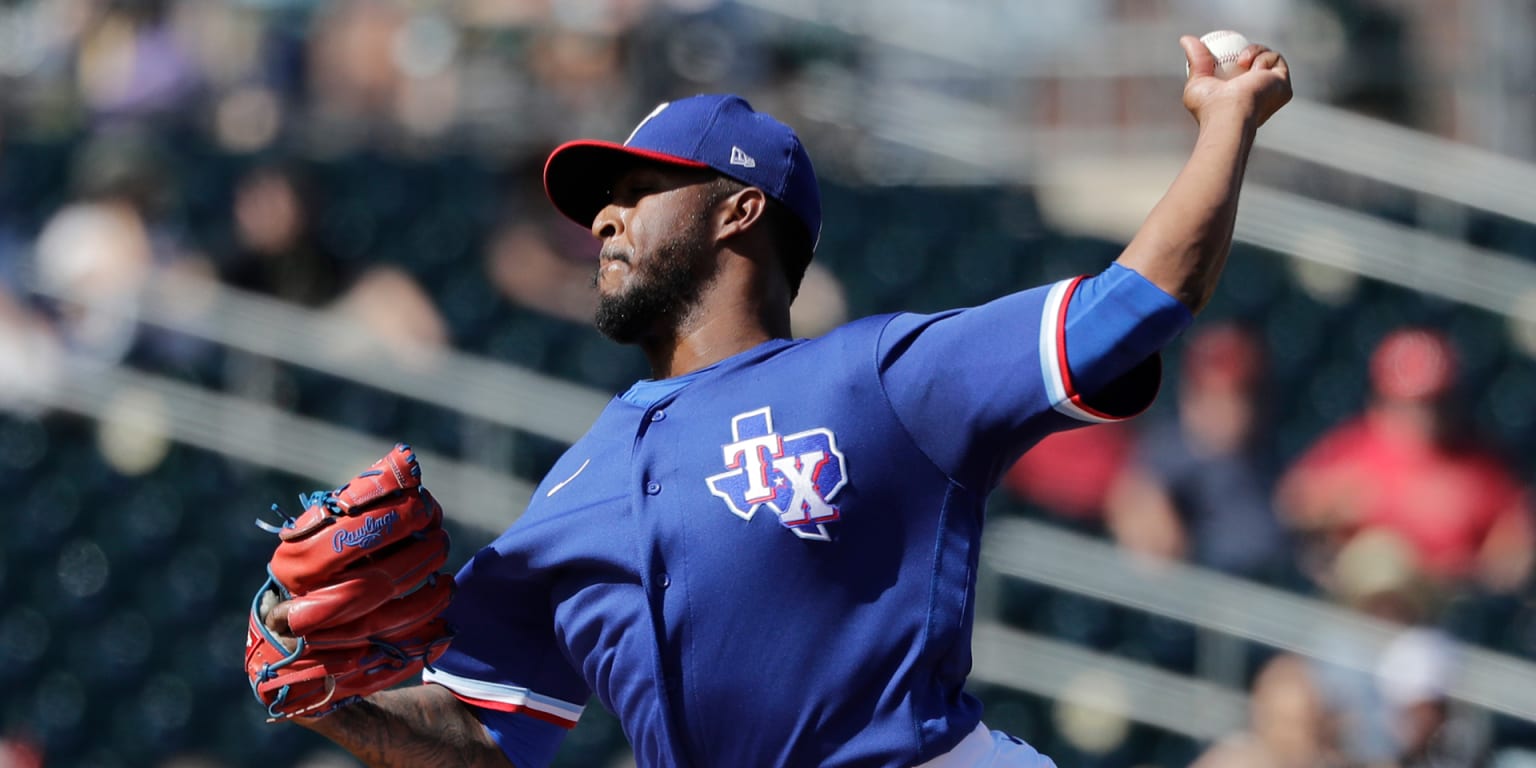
point(353, 593)
point(374, 531)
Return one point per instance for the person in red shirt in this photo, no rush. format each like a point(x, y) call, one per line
point(1405, 468)
point(1068, 474)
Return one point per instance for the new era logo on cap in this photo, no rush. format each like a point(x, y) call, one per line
point(717, 131)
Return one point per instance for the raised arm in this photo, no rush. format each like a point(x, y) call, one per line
point(1183, 244)
point(423, 725)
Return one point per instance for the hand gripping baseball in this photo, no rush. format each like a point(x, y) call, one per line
point(353, 593)
point(1260, 86)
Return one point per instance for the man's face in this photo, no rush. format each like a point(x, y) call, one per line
point(657, 251)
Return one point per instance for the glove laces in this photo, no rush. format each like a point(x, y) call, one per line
point(326, 499)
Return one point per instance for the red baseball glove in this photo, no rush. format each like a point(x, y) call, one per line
point(353, 593)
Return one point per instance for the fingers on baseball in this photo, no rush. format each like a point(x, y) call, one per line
point(1263, 58)
point(1247, 56)
point(1199, 58)
point(1277, 64)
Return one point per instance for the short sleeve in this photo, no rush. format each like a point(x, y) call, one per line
point(505, 662)
point(976, 387)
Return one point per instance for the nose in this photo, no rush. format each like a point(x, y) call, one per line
point(607, 223)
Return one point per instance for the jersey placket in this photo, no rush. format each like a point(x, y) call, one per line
point(657, 513)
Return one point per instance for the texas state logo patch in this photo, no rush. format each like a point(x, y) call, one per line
point(797, 476)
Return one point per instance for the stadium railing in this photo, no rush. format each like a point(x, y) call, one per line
point(1306, 130)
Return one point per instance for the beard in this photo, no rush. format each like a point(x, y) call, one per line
point(666, 288)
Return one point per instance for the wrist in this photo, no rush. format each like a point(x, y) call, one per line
point(1231, 129)
point(1227, 117)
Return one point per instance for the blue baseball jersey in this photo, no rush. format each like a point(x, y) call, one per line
point(772, 561)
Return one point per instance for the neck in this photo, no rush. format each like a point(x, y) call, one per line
point(719, 327)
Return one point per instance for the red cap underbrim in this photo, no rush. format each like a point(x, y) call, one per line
point(579, 175)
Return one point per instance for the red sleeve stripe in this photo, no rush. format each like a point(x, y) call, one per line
point(507, 698)
point(1063, 395)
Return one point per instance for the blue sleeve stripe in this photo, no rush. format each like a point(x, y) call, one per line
point(507, 698)
point(1053, 357)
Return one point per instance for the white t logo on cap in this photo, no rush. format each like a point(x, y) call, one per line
point(654, 113)
point(741, 158)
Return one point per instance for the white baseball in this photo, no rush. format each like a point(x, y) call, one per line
point(1225, 45)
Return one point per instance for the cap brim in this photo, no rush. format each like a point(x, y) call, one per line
point(579, 175)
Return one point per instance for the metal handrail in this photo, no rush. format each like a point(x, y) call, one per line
point(1313, 628)
point(1305, 130)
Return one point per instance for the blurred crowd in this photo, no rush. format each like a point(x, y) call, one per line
point(149, 145)
point(504, 76)
point(1394, 513)
point(109, 107)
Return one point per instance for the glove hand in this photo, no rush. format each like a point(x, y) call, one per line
point(353, 594)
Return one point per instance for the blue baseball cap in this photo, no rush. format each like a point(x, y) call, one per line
point(717, 131)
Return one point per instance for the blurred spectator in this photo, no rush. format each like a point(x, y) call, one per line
point(388, 312)
point(29, 356)
point(352, 74)
point(1391, 705)
point(93, 259)
point(1199, 486)
point(1414, 677)
point(1289, 724)
point(1068, 474)
point(20, 753)
point(821, 304)
point(1374, 575)
point(276, 251)
point(579, 81)
point(1306, 715)
point(132, 65)
point(547, 266)
point(1381, 77)
point(1407, 468)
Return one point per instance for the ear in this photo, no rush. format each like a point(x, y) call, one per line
point(740, 212)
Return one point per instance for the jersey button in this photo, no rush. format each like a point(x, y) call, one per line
point(664, 580)
point(653, 488)
point(659, 415)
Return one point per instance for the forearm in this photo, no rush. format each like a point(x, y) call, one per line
point(423, 725)
point(1183, 244)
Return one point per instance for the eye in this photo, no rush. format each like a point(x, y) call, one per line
point(632, 191)
point(643, 187)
